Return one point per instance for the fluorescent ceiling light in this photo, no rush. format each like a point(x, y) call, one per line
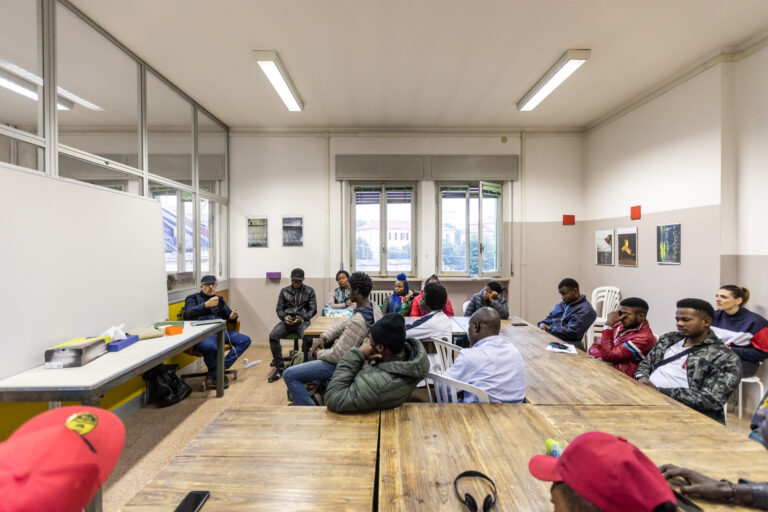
point(570, 61)
point(20, 86)
point(270, 64)
point(34, 80)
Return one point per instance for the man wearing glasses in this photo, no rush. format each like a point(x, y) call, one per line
point(206, 305)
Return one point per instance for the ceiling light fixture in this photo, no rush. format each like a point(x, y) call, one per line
point(270, 64)
point(30, 80)
point(21, 86)
point(569, 62)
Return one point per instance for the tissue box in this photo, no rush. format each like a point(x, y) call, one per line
point(117, 346)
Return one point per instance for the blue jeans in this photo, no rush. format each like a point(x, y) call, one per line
point(240, 342)
point(312, 371)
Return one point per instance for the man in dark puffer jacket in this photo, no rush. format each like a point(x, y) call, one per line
point(395, 366)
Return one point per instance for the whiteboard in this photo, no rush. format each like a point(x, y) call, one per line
point(75, 259)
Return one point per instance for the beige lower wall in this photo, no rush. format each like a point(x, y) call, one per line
point(661, 286)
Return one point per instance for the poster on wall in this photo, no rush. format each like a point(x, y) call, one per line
point(293, 231)
point(257, 231)
point(626, 246)
point(668, 244)
point(604, 246)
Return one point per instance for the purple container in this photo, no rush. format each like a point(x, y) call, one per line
point(273, 275)
point(117, 346)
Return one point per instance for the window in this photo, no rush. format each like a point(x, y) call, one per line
point(213, 238)
point(387, 251)
point(469, 229)
point(88, 172)
point(169, 132)
point(178, 233)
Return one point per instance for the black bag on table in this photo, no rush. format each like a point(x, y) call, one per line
point(164, 387)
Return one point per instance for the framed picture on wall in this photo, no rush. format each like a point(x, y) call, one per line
point(257, 231)
point(604, 247)
point(668, 244)
point(626, 246)
point(293, 231)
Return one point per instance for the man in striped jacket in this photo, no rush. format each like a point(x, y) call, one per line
point(627, 337)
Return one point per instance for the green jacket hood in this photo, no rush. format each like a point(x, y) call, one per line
point(415, 364)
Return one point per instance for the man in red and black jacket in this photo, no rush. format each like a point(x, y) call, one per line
point(627, 337)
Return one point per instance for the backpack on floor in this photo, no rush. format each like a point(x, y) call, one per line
point(164, 387)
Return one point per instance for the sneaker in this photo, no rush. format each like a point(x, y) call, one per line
point(210, 381)
point(276, 376)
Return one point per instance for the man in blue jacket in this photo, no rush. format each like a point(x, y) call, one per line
point(206, 305)
point(572, 316)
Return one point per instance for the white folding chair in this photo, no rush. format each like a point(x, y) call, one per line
point(464, 307)
point(750, 380)
point(604, 300)
point(446, 388)
point(445, 353)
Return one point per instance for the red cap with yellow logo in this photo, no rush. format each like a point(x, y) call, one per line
point(59, 459)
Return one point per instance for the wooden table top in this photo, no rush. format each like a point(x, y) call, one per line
point(669, 435)
point(273, 458)
point(321, 323)
point(424, 447)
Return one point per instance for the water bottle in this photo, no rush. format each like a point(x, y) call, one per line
point(554, 448)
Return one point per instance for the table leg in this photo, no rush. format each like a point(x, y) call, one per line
point(95, 504)
point(92, 402)
point(220, 364)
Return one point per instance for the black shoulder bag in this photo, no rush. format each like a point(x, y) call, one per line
point(691, 350)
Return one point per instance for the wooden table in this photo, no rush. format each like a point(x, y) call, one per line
point(320, 324)
point(673, 434)
point(273, 458)
point(425, 446)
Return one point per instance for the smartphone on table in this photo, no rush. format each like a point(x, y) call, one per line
point(193, 501)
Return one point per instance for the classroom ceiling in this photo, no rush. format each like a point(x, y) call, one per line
point(426, 64)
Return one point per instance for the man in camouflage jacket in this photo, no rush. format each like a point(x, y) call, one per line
point(713, 370)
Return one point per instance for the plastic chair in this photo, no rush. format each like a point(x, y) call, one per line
point(464, 307)
point(445, 353)
point(446, 388)
point(604, 300)
point(750, 380)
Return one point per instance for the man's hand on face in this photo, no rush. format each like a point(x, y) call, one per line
point(212, 302)
point(493, 296)
point(646, 382)
point(613, 318)
point(369, 351)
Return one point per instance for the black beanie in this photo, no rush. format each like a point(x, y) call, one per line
point(390, 332)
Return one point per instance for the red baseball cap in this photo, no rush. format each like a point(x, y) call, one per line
point(607, 471)
point(59, 459)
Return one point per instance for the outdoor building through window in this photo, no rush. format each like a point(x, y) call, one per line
point(469, 229)
point(383, 223)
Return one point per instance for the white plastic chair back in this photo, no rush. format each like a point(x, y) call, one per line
point(464, 307)
point(446, 353)
point(604, 300)
point(445, 389)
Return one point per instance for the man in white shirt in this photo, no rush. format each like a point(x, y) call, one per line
point(434, 324)
point(692, 365)
point(492, 362)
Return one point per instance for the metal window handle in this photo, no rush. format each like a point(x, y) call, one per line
point(383, 249)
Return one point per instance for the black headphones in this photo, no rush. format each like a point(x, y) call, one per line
point(488, 503)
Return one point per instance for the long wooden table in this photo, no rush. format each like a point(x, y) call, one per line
point(273, 458)
point(321, 323)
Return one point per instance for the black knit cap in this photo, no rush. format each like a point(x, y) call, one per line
point(390, 332)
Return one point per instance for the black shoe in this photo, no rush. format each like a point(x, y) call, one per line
point(276, 376)
point(210, 381)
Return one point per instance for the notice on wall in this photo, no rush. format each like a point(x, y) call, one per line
point(293, 231)
point(257, 231)
point(668, 244)
point(626, 246)
point(604, 246)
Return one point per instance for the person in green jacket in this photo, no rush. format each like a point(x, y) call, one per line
point(395, 366)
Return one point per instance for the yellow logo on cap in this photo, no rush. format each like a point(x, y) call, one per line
point(82, 422)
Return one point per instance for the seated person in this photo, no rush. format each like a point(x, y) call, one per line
point(416, 308)
point(692, 365)
point(757, 419)
point(492, 363)
point(572, 317)
point(296, 306)
point(744, 331)
point(490, 296)
point(338, 303)
point(342, 337)
point(743, 493)
point(206, 305)
point(394, 366)
point(402, 297)
point(627, 337)
point(601, 472)
point(434, 323)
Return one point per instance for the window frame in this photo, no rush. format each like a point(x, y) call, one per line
point(383, 272)
point(439, 185)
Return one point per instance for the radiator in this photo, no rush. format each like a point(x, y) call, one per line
point(380, 297)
